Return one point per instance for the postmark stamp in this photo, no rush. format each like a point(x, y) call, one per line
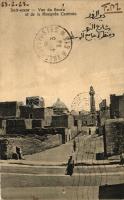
point(52, 44)
point(81, 102)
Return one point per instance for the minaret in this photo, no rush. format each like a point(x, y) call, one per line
point(92, 100)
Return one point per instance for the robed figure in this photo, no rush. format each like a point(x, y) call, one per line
point(70, 166)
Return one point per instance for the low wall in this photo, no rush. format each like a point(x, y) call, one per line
point(28, 144)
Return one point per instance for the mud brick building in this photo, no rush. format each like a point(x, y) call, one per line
point(88, 119)
point(22, 126)
point(116, 106)
point(104, 112)
point(114, 136)
point(17, 118)
point(64, 120)
point(22, 122)
point(77, 121)
point(59, 107)
point(35, 101)
point(27, 112)
point(16, 126)
point(65, 123)
point(112, 124)
point(10, 109)
point(34, 109)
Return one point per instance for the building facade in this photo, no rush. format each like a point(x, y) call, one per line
point(17, 118)
point(116, 106)
point(114, 136)
point(10, 109)
point(104, 112)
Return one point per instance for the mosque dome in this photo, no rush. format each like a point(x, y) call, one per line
point(59, 106)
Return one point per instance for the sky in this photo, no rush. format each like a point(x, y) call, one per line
point(99, 63)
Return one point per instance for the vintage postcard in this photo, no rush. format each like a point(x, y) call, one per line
point(61, 99)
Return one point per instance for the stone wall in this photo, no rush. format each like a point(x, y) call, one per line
point(104, 115)
point(14, 126)
point(114, 136)
point(60, 121)
point(117, 106)
point(66, 121)
point(74, 131)
point(10, 109)
point(28, 144)
point(21, 126)
point(27, 112)
point(48, 116)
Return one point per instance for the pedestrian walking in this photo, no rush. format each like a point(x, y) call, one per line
point(89, 131)
point(70, 166)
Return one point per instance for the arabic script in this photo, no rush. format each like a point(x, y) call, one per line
point(94, 31)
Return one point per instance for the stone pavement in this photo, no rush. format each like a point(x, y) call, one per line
point(87, 146)
point(41, 176)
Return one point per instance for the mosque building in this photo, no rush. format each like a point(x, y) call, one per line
point(59, 107)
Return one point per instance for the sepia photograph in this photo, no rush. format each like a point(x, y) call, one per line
point(61, 99)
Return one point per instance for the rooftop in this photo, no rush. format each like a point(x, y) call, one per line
point(59, 105)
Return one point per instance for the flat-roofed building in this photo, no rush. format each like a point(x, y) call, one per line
point(116, 106)
point(10, 109)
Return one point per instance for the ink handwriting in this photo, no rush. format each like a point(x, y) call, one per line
point(94, 31)
point(110, 8)
point(107, 8)
point(96, 15)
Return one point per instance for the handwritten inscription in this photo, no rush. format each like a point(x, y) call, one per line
point(99, 31)
point(110, 8)
point(94, 31)
point(96, 15)
point(13, 4)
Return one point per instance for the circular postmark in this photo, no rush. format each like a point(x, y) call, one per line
point(53, 44)
point(81, 102)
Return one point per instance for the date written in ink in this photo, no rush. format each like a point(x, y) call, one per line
point(6, 4)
